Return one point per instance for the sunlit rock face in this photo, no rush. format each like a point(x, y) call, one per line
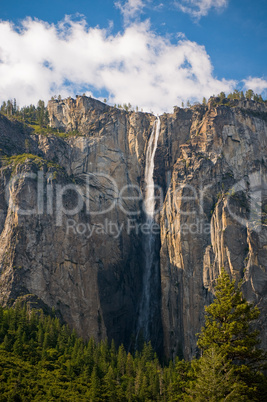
point(77, 243)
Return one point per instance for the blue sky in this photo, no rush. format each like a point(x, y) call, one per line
point(150, 53)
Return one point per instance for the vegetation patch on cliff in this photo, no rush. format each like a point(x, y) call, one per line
point(23, 159)
point(46, 131)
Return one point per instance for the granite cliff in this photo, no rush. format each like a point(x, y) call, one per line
point(72, 221)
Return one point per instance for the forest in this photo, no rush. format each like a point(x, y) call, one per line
point(41, 359)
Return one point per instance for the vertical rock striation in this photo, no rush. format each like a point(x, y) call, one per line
point(89, 262)
point(221, 168)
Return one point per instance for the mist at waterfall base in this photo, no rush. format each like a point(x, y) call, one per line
point(149, 322)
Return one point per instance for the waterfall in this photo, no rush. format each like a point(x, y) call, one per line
point(149, 171)
point(146, 309)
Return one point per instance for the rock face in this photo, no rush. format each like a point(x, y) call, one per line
point(213, 216)
point(77, 244)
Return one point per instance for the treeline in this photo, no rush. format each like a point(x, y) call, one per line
point(29, 114)
point(39, 115)
point(222, 98)
point(42, 360)
point(249, 95)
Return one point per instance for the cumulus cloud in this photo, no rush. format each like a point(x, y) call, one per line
point(130, 9)
point(136, 65)
point(258, 85)
point(200, 8)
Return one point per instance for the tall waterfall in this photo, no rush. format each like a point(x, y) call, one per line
point(150, 275)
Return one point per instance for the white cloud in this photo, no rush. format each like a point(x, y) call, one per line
point(158, 7)
point(130, 9)
point(200, 8)
point(135, 66)
point(258, 85)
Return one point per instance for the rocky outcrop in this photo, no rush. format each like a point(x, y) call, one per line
point(76, 244)
point(85, 263)
point(213, 209)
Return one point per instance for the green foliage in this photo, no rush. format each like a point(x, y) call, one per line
point(54, 131)
point(42, 360)
point(229, 331)
point(249, 94)
point(216, 380)
point(228, 321)
point(34, 117)
point(27, 114)
point(21, 159)
point(127, 107)
point(222, 96)
point(42, 114)
point(231, 98)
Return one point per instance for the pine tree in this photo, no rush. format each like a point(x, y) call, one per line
point(3, 107)
point(236, 94)
point(109, 386)
point(222, 96)
point(256, 97)
point(41, 113)
point(121, 360)
point(249, 94)
point(9, 108)
point(228, 327)
point(15, 106)
point(7, 343)
point(215, 380)
point(228, 321)
point(95, 390)
point(129, 365)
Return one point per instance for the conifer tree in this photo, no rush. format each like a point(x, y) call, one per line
point(129, 365)
point(236, 94)
point(41, 113)
point(228, 323)
point(222, 96)
point(3, 107)
point(228, 328)
point(121, 360)
point(249, 94)
point(109, 387)
point(95, 391)
point(215, 380)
